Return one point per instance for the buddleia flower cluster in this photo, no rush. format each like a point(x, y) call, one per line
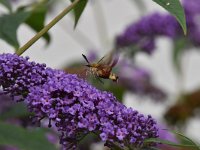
point(142, 34)
point(73, 106)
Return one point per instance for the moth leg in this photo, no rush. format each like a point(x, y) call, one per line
point(99, 79)
point(87, 72)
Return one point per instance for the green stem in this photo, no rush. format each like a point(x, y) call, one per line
point(46, 28)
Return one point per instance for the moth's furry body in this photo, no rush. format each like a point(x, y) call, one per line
point(101, 69)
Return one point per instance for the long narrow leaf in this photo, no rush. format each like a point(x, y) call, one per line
point(7, 4)
point(78, 10)
point(176, 9)
point(9, 24)
point(183, 136)
point(178, 50)
point(24, 139)
point(161, 141)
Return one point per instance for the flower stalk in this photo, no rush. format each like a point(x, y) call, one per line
point(47, 28)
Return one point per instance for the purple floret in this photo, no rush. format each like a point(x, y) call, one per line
point(17, 75)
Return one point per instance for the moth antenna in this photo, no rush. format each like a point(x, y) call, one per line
point(100, 59)
point(85, 58)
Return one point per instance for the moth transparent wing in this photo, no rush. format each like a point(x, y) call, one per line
point(110, 59)
point(115, 60)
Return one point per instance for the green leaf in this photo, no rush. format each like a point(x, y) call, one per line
point(37, 19)
point(175, 8)
point(178, 49)
point(185, 138)
point(117, 90)
point(7, 4)
point(108, 85)
point(9, 25)
point(78, 10)
point(23, 138)
point(191, 143)
point(150, 148)
point(17, 110)
point(166, 142)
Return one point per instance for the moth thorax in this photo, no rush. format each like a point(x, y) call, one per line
point(93, 69)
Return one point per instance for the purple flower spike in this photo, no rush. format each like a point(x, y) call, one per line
point(75, 107)
point(142, 34)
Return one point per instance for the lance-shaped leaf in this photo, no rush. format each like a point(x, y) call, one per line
point(191, 143)
point(37, 19)
point(176, 9)
point(180, 45)
point(78, 10)
point(15, 111)
point(185, 138)
point(9, 24)
point(23, 138)
point(6, 3)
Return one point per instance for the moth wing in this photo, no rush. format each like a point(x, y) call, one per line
point(110, 59)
